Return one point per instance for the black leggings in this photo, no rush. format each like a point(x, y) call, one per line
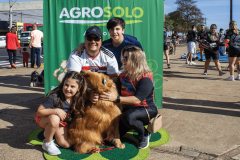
point(136, 118)
point(12, 56)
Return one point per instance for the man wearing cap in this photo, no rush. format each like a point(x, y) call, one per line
point(94, 57)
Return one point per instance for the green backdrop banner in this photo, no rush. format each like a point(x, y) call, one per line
point(65, 23)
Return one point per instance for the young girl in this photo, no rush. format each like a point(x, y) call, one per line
point(26, 56)
point(54, 113)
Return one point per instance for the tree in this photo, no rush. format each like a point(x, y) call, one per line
point(168, 23)
point(189, 14)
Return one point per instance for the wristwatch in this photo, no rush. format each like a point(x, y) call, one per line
point(118, 99)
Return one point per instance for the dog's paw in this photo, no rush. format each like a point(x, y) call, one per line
point(31, 84)
point(120, 146)
point(95, 150)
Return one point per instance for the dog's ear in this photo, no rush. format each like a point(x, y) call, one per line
point(85, 73)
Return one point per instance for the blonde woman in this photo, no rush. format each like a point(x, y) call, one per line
point(233, 38)
point(135, 87)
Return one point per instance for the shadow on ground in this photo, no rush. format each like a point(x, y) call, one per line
point(203, 106)
point(19, 82)
point(17, 110)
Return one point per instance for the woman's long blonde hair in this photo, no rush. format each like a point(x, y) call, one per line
point(136, 63)
point(233, 26)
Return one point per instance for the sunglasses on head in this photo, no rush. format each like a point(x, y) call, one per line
point(89, 38)
point(129, 48)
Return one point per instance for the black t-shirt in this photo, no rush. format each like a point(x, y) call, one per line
point(144, 89)
point(201, 34)
point(175, 36)
point(165, 37)
point(213, 39)
point(51, 102)
point(231, 35)
point(191, 36)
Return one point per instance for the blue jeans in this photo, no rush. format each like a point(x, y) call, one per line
point(222, 50)
point(37, 52)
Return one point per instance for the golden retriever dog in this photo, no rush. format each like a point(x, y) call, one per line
point(100, 119)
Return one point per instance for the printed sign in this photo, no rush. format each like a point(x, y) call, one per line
point(66, 21)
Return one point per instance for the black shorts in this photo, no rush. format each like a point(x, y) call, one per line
point(214, 54)
point(165, 47)
point(232, 53)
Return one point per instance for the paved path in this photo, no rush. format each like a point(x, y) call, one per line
point(201, 113)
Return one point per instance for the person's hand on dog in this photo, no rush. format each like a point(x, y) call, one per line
point(79, 48)
point(61, 114)
point(94, 97)
point(111, 96)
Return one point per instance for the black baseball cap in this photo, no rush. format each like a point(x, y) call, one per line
point(94, 30)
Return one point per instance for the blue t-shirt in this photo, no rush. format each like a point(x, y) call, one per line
point(128, 40)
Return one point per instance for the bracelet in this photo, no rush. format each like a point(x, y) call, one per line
point(57, 112)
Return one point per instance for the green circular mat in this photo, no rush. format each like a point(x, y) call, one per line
point(130, 152)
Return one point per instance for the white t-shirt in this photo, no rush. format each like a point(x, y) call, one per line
point(37, 37)
point(104, 62)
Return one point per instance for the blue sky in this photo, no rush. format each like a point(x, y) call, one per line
point(216, 11)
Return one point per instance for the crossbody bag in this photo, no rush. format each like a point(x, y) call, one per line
point(155, 123)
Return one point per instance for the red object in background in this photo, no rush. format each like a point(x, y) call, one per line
point(29, 24)
point(12, 41)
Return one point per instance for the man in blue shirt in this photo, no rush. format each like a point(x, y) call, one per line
point(118, 40)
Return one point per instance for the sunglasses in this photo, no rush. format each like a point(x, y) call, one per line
point(89, 38)
point(125, 58)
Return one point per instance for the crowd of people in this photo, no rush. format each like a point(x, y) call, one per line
point(122, 58)
point(213, 45)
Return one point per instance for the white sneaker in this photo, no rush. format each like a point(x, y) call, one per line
point(187, 62)
point(238, 78)
point(230, 79)
point(144, 143)
point(192, 63)
point(205, 73)
point(51, 148)
point(174, 53)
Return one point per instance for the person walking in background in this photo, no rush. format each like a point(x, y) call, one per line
point(212, 38)
point(174, 40)
point(11, 45)
point(222, 49)
point(201, 36)
point(165, 47)
point(191, 45)
point(26, 56)
point(35, 45)
point(233, 38)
